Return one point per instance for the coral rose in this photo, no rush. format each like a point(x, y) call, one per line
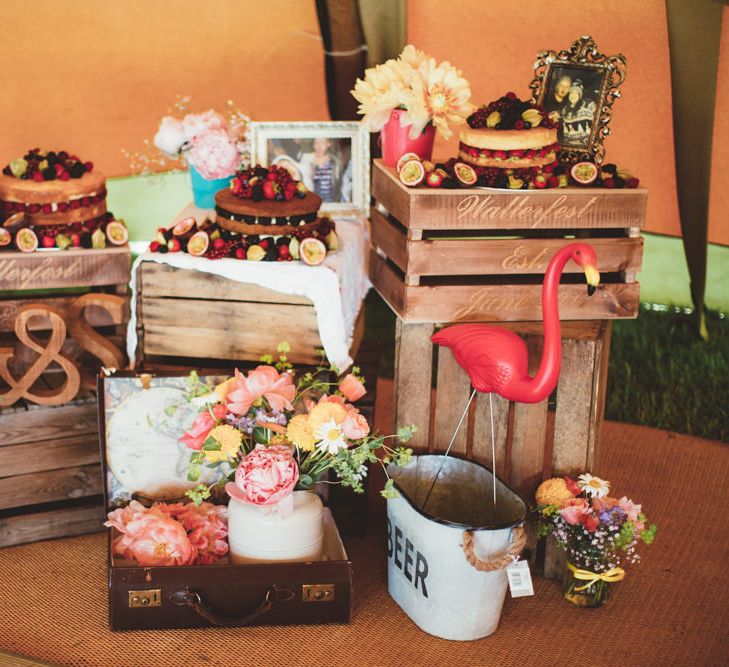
point(573, 510)
point(553, 492)
point(207, 528)
point(355, 426)
point(266, 477)
point(263, 382)
point(352, 388)
point(201, 427)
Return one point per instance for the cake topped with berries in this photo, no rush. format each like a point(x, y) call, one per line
point(267, 200)
point(509, 133)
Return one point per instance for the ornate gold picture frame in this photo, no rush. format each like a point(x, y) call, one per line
point(579, 86)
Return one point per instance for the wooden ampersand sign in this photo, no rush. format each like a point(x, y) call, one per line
point(21, 388)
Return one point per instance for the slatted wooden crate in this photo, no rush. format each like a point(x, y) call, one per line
point(72, 306)
point(533, 441)
point(191, 314)
point(480, 254)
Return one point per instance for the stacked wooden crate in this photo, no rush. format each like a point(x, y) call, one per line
point(479, 255)
point(62, 315)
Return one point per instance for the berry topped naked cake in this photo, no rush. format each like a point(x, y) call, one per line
point(510, 140)
point(57, 198)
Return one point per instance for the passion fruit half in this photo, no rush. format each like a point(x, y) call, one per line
point(294, 247)
point(198, 244)
point(6, 238)
point(465, 174)
point(15, 222)
point(117, 233)
point(584, 173)
point(26, 240)
point(312, 251)
point(184, 227)
point(332, 241)
point(412, 173)
point(405, 157)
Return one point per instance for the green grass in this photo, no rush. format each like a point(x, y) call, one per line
point(662, 375)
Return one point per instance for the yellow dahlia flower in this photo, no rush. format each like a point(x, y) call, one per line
point(229, 438)
point(300, 434)
point(438, 93)
point(325, 411)
point(553, 492)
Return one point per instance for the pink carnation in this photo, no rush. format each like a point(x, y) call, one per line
point(352, 388)
point(214, 154)
point(265, 477)
point(263, 382)
point(201, 427)
point(573, 510)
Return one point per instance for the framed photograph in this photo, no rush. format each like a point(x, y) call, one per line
point(332, 159)
point(579, 87)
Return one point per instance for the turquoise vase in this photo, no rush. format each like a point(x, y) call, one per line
point(203, 190)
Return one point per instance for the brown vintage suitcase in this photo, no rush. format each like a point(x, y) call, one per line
point(141, 459)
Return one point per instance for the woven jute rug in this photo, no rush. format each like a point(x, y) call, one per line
point(673, 609)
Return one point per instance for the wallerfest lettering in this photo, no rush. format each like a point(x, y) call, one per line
point(13, 275)
point(481, 207)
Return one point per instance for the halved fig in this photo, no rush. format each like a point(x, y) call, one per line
point(405, 157)
point(184, 228)
point(465, 173)
point(198, 244)
point(117, 233)
point(584, 173)
point(26, 240)
point(412, 173)
point(312, 251)
point(6, 238)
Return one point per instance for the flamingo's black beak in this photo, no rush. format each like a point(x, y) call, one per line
point(593, 279)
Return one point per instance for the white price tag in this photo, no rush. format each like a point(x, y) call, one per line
point(520, 579)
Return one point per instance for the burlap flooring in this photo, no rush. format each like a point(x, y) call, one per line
point(671, 610)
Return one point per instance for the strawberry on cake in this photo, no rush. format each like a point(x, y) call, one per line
point(512, 143)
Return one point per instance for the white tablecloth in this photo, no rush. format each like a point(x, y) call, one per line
point(337, 287)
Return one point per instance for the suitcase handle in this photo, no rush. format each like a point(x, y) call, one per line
point(196, 602)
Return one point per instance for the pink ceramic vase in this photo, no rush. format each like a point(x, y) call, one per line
point(394, 140)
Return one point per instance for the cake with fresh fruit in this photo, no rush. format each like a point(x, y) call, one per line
point(265, 215)
point(512, 143)
point(53, 199)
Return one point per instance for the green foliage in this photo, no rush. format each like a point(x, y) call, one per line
point(649, 534)
point(200, 493)
point(390, 491)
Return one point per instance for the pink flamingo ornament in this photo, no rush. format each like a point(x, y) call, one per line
point(497, 360)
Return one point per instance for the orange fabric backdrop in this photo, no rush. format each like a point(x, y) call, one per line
point(495, 45)
point(719, 199)
point(95, 77)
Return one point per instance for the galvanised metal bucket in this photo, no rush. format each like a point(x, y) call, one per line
point(446, 561)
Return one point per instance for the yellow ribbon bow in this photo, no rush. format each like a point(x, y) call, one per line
point(616, 574)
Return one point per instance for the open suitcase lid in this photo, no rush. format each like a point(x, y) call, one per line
point(141, 418)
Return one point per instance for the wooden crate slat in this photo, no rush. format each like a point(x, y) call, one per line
point(389, 237)
point(50, 486)
point(47, 423)
point(95, 316)
point(47, 525)
point(160, 280)
point(599, 395)
point(215, 330)
point(413, 374)
point(69, 268)
point(62, 453)
point(453, 389)
point(494, 303)
point(479, 208)
point(482, 432)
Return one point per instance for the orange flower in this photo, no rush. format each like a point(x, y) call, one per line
point(352, 388)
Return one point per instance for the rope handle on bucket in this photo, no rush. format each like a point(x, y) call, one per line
point(518, 540)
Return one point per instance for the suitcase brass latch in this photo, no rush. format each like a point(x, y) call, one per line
point(317, 592)
point(152, 597)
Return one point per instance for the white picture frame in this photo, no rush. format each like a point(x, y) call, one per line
point(349, 178)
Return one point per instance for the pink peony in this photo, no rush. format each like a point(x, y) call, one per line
point(170, 136)
point(195, 125)
point(207, 528)
point(572, 510)
point(201, 427)
point(352, 388)
point(214, 154)
point(355, 426)
point(121, 517)
point(265, 381)
point(157, 539)
point(265, 477)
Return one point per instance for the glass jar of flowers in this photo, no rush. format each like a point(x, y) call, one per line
point(268, 438)
point(407, 99)
point(598, 532)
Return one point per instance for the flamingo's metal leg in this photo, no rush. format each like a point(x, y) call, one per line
point(493, 447)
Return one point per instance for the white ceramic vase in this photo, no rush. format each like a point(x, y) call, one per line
point(256, 537)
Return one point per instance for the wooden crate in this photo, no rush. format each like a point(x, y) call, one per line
point(533, 441)
point(480, 254)
point(225, 319)
point(72, 308)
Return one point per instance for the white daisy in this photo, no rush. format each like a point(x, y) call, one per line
point(330, 437)
point(593, 486)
